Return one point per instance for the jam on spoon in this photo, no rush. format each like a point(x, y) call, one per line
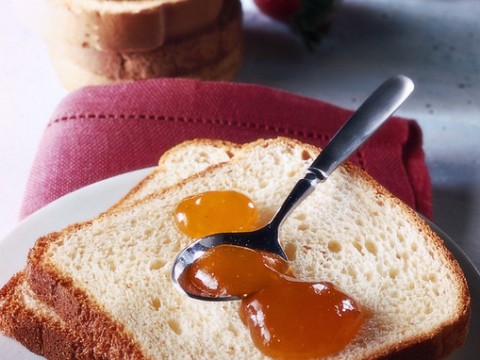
point(287, 317)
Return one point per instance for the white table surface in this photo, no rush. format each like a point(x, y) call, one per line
point(435, 42)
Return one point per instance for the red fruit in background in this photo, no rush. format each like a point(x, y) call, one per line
point(310, 18)
point(282, 10)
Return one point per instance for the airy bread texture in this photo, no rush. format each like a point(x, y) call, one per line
point(109, 278)
point(105, 42)
point(37, 326)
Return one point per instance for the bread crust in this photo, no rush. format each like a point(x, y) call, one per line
point(42, 335)
point(126, 25)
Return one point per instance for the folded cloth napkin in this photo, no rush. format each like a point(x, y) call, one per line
point(99, 132)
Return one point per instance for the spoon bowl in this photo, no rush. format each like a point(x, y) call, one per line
point(378, 107)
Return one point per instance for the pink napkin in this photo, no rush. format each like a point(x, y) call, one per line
point(99, 132)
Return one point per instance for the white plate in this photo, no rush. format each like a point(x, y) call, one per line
point(93, 199)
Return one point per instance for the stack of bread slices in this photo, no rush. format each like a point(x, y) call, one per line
point(106, 41)
point(102, 288)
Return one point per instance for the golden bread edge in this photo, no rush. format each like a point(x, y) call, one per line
point(42, 335)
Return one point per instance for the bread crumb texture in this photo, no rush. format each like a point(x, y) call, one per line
point(350, 231)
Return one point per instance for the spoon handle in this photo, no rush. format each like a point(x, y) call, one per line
point(378, 107)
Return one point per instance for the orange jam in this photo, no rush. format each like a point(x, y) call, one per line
point(287, 318)
point(214, 212)
point(293, 319)
point(228, 270)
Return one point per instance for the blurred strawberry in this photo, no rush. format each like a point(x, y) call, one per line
point(281, 10)
point(310, 18)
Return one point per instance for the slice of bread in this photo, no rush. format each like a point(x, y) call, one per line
point(113, 25)
point(36, 325)
point(214, 53)
point(109, 278)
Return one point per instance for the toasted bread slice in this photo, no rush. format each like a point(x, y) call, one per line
point(109, 278)
point(36, 325)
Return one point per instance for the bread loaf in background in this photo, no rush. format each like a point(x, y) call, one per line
point(93, 42)
point(134, 25)
point(109, 278)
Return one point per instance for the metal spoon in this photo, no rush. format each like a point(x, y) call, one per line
point(362, 124)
